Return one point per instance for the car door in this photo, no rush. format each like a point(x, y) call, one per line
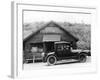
point(59, 50)
point(66, 50)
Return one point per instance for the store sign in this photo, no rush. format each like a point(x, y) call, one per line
point(51, 37)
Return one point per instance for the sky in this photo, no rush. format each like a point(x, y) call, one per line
point(37, 16)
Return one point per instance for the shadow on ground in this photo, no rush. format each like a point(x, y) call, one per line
point(67, 63)
point(62, 63)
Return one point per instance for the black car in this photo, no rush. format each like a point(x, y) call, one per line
point(64, 51)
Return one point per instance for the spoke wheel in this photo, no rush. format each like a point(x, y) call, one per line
point(51, 60)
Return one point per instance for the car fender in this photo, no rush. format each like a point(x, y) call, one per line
point(51, 53)
point(83, 53)
point(46, 56)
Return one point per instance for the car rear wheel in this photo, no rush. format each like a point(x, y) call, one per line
point(82, 58)
point(51, 60)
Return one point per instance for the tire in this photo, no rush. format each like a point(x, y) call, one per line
point(82, 58)
point(51, 60)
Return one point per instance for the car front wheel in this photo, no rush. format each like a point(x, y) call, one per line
point(51, 60)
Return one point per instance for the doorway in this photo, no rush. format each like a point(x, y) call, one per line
point(49, 47)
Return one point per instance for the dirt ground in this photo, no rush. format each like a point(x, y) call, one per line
point(61, 64)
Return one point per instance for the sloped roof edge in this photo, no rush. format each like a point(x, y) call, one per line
point(44, 26)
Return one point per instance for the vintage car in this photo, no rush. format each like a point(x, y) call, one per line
point(64, 51)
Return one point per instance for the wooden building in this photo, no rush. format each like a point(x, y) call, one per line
point(43, 39)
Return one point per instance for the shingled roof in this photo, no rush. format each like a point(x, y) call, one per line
point(51, 23)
